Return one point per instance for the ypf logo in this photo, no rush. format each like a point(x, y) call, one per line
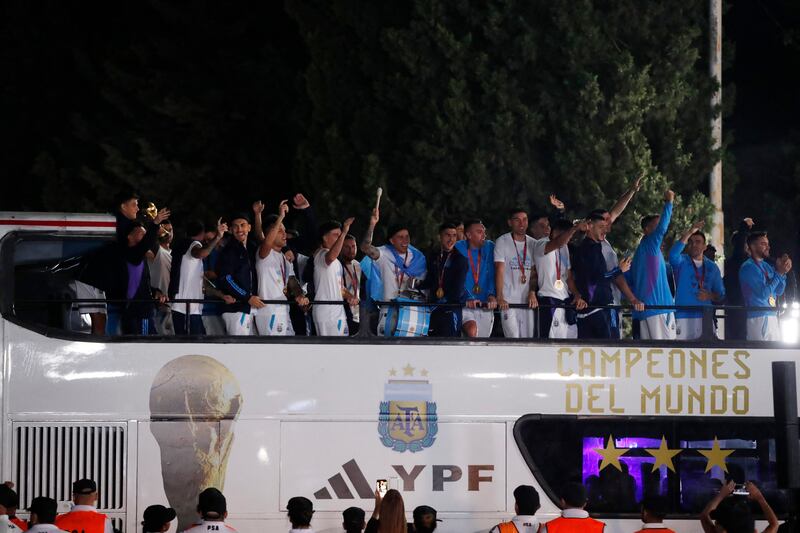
point(407, 419)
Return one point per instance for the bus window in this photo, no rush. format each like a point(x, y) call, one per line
point(625, 459)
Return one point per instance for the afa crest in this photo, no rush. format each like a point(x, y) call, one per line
point(407, 419)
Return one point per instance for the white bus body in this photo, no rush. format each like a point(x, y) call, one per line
point(157, 420)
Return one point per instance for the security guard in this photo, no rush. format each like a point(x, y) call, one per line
point(43, 515)
point(573, 519)
point(7, 499)
point(157, 519)
point(12, 509)
point(84, 518)
point(526, 503)
point(213, 510)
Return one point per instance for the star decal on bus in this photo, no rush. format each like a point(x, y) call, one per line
point(716, 456)
point(663, 455)
point(611, 454)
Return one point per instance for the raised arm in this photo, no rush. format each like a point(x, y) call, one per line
point(269, 239)
point(258, 228)
point(565, 237)
point(755, 495)
point(666, 215)
point(204, 251)
point(705, 516)
point(336, 249)
point(366, 242)
point(622, 202)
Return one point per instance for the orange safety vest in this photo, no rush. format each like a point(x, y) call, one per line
point(507, 527)
point(656, 530)
point(82, 522)
point(20, 523)
point(575, 525)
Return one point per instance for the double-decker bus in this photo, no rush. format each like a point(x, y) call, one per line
point(455, 424)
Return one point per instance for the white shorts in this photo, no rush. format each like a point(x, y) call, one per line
point(658, 327)
point(763, 328)
point(238, 323)
point(688, 329)
point(330, 322)
point(84, 291)
point(484, 318)
point(273, 320)
point(517, 323)
point(560, 329)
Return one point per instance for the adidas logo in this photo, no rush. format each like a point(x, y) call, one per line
point(340, 487)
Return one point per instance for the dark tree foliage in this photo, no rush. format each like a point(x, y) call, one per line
point(460, 108)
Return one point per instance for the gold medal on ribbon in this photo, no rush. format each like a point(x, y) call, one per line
point(558, 284)
point(772, 302)
point(476, 289)
point(523, 278)
point(440, 292)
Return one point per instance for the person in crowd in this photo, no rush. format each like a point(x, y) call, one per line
point(236, 276)
point(555, 281)
point(592, 279)
point(711, 252)
point(730, 514)
point(389, 515)
point(212, 306)
point(331, 320)
point(610, 255)
point(736, 319)
point(654, 510)
point(513, 271)
point(187, 277)
point(353, 520)
point(698, 281)
point(159, 261)
point(352, 281)
point(157, 519)
point(84, 516)
point(648, 276)
point(447, 272)
point(425, 520)
point(86, 286)
point(300, 511)
point(43, 515)
point(130, 282)
point(213, 510)
point(574, 517)
point(276, 279)
point(526, 503)
point(11, 509)
point(399, 266)
point(761, 285)
point(8, 499)
point(478, 314)
point(540, 226)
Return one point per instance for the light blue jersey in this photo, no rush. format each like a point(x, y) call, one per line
point(760, 282)
point(484, 256)
point(689, 278)
point(649, 271)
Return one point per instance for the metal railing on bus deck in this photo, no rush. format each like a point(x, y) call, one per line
point(367, 310)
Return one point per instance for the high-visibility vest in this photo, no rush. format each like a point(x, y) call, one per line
point(20, 523)
point(507, 527)
point(656, 530)
point(82, 522)
point(575, 525)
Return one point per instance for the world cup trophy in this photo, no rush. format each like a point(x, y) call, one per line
point(194, 401)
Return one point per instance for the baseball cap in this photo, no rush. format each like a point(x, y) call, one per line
point(41, 505)
point(423, 510)
point(242, 215)
point(8, 498)
point(299, 504)
point(353, 516)
point(156, 516)
point(212, 501)
point(527, 499)
point(84, 486)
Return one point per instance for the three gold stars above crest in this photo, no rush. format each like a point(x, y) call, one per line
point(408, 370)
point(663, 455)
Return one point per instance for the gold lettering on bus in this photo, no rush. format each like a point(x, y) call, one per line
point(697, 361)
point(574, 398)
point(652, 363)
point(738, 358)
point(716, 364)
point(586, 366)
point(674, 403)
point(655, 395)
point(741, 400)
point(677, 364)
point(562, 353)
point(607, 359)
point(593, 395)
point(697, 397)
point(632, 356)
